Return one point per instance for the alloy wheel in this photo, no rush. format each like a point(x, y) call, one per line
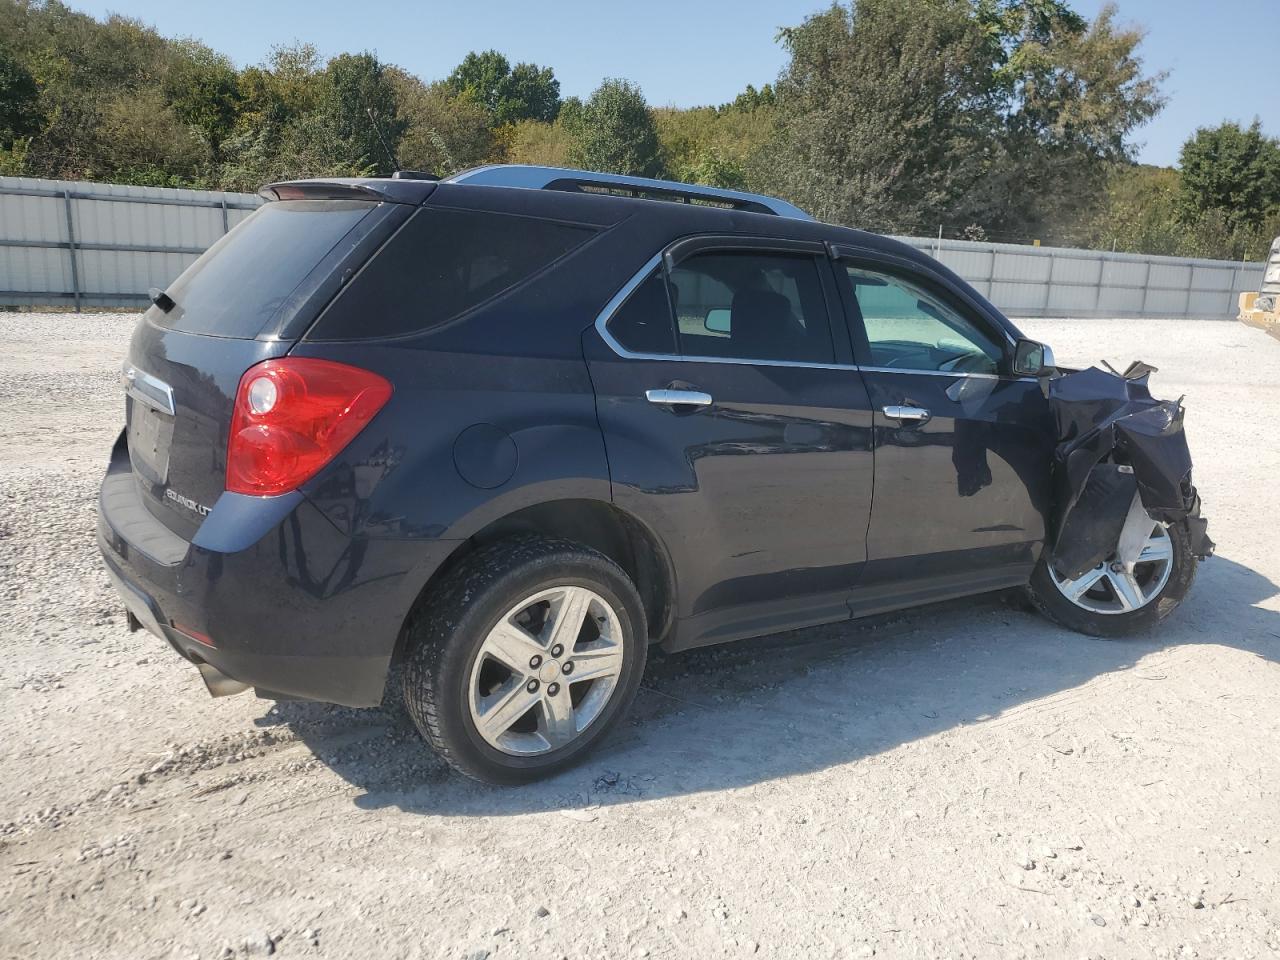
point(1117, 587)
point(545, 671)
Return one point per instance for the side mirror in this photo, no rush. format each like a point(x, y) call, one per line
point(1032, 359)
point(717, 320)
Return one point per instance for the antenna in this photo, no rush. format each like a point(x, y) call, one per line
point(395, 164)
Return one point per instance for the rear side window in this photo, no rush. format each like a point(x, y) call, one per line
point(441, 264)
point(751, 306)
point(643, 323)
point(240, 282)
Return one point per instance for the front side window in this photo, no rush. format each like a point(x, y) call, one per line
point(912, 329)
point(751, 306)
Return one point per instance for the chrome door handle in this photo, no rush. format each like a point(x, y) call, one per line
point(916, 414)
point(678, 398)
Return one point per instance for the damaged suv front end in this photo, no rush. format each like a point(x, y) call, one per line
point(1126, 527)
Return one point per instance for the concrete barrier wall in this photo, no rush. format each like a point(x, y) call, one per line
point(104, 245)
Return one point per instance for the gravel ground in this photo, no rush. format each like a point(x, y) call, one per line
point(965, 781)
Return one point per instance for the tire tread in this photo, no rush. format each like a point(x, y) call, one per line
point(432, 624)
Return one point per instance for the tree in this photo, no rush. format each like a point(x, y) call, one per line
point(1233, 171)
point(1070, 93)
point(202, 88)
point(753, 99)
point(884, 113)
point(144, 141)
point(525, 92)
point(614, 132)
point(1144, 210)
point(532, 93)
point(542, 144)
point(716, 145)
point(353, 87)
point(20, 115)
point(1004, 114)
point(714, 169)
point(287, 86)
point(444, 132)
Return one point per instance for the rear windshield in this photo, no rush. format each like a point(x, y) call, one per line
point(240, 282)
point(440, 265)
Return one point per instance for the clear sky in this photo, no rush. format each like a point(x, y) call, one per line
point(689, 52)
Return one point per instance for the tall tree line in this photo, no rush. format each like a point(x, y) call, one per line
point(1003, 119)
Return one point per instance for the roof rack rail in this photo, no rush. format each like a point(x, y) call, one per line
point(584, 181)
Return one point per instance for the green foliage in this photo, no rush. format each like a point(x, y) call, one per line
point(1232, 171)
point(358, 102)
point(884, 113)
point(1072, 94)
point(752, 99)
point(525, 92)
point(716, 170)
point(713, 145)
point(1145, 211)
point(19, 101)
point(445, 132)
point(1004, 114)
point(542, 144)
point(203, 91)
point(1011, 119)
point(615, 132)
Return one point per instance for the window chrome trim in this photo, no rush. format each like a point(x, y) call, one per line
point(145, 388)
point(946, 373)
point(619, 298)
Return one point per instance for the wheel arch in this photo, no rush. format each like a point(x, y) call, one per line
point(598, 524)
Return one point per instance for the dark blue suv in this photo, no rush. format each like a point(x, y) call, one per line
point(505, 430)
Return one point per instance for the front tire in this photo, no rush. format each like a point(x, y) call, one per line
point(1107, 603)
point(523, 658)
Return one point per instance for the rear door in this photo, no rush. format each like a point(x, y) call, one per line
point(962, 447)
point(740, 432)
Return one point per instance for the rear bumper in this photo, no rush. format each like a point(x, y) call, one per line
point(299, 610)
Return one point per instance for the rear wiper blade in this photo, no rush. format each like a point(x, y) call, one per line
point(161, 299)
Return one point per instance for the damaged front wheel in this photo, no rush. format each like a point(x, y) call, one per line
point(1133, 590)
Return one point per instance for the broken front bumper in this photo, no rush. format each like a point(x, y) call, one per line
point(1117, 445)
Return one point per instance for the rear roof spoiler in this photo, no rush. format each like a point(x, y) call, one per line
point(350, 188)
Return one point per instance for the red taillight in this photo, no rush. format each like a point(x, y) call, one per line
point(292, 416)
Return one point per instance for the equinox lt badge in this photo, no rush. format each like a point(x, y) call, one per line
point(187, 502)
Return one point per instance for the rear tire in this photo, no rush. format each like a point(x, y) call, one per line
point(498, 678)
point(1050, 600)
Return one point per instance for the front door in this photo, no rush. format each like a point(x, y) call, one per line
point(962, 447)
point(737, 427)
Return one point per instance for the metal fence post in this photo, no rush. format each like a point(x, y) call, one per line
point(224, 215)
point(1048, 286)
point(71, 248)
point(1232, 295)
point(1146, 289)
point(1102, 270)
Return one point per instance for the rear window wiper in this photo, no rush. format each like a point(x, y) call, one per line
point(161, 299)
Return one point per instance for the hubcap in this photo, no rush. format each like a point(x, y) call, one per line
point(545, 671)
point(1124, 584)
